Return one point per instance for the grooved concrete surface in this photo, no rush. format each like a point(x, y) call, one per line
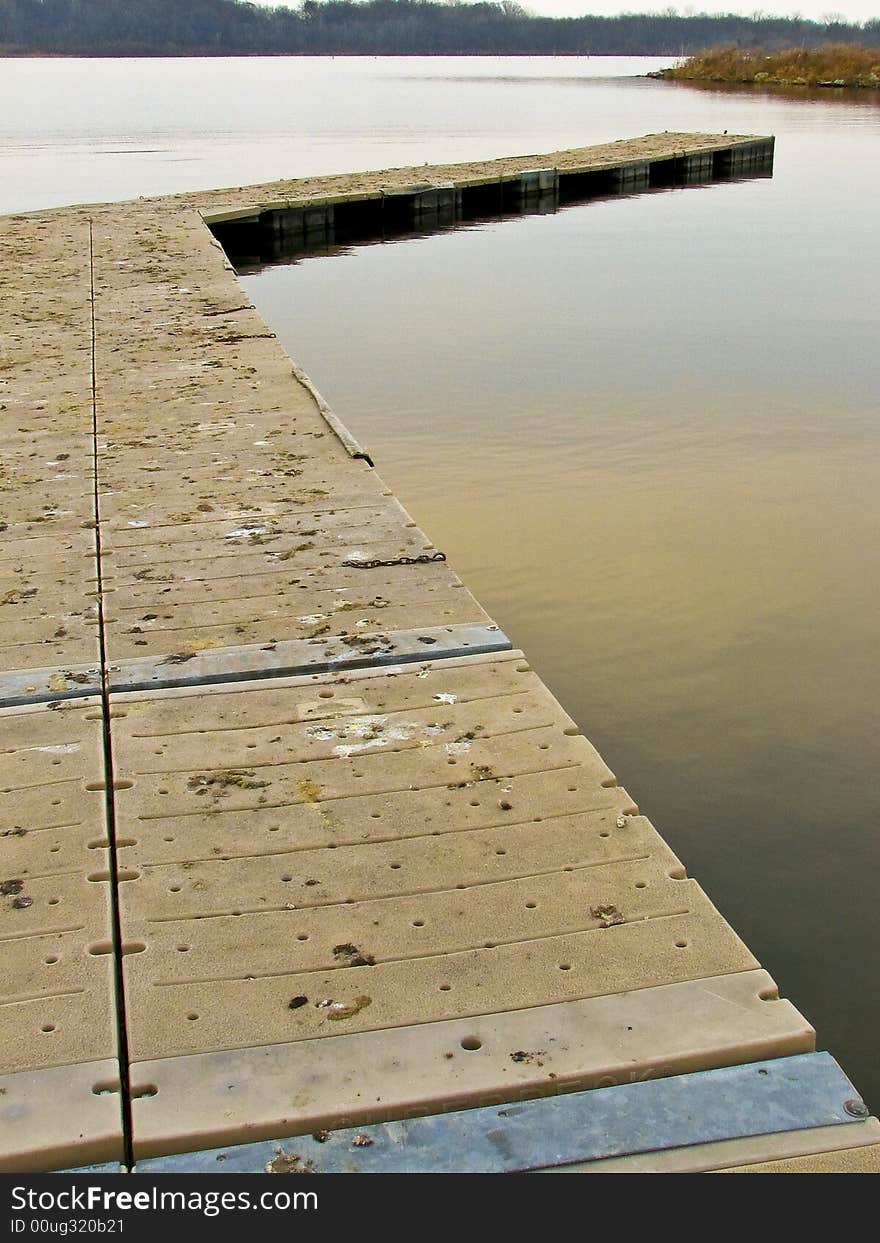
point(48, 610)
point(54, 895)
point(227, 504)
point(57, 998)
point(417, 881)
point(304, 869)
point(861, 1160)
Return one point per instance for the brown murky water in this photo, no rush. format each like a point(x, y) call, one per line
point(644, 430)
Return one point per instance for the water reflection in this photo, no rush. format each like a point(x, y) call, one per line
point(291, 233)
point(823, 96)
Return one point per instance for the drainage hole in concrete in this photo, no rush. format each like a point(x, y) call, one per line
point(395, 867)
point(531, 906)
point(680, 945)
point(501, 852)
point(51, 960)
point(471, 1043)
point(641, 884)
point(183, 949)
point(418, 923)
point(565, 966)
point(174, 889)
point(138, 1093)
point(445, 988)
point(47, 1027)
point(192, 1016)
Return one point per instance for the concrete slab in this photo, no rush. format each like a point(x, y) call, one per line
point(744, 1155)
point(60, 1117)
point(58, 1010)
point(853, 1160)
point(484, 866)
point(277, 1090)
point(421, 597)
point(58, 1004)
point(46, 476)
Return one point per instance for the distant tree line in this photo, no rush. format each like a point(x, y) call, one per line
point(384, 27)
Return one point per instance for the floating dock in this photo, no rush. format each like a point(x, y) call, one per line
point(301, 865)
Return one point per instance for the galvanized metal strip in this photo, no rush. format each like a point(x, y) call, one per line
point(31, 686)
point(289, 658)
point(109, 1167)
point(295, 657)
point(785, 1094)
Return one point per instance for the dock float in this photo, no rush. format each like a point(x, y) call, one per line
point(301, 865)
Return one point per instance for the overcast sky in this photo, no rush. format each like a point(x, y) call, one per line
point(852, 10)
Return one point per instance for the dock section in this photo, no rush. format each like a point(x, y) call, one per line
point(294, 839)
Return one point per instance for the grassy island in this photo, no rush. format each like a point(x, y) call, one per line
point(833, 65)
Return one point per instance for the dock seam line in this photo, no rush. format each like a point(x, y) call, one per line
point(109, 801)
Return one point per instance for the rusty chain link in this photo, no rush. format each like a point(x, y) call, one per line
point(424, 559)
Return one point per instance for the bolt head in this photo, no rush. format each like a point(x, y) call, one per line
point(856, 1108)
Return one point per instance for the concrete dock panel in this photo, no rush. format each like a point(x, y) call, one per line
point(58, 1010)
point(48, 577)
point(380, 853)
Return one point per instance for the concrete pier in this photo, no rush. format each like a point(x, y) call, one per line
point(293, 838)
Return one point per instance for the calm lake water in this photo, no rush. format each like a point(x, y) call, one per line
point(644, 430)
